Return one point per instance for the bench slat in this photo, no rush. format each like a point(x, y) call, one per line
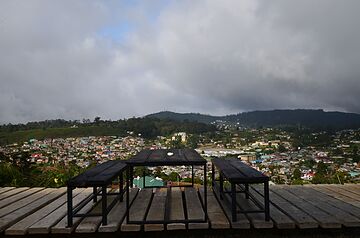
point(107, 175)
point(238, 172)
point(99, 175)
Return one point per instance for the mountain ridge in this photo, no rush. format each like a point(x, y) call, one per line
point(276, 117)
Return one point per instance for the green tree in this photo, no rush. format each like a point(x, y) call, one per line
point(176, 143)
point(173, 176)
point(296, 174)
point(192, 141)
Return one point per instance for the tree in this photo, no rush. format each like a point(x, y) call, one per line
point(296, 174)
point(176, 143)
point(322, 168)
point(193, 141)
point(173, 176)
point(97, 120)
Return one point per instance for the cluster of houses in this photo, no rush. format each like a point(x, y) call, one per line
point(82, 150)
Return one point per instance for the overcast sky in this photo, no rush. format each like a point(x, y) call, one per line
point(118, 59)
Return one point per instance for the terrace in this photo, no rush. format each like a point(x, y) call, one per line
point(296, 211)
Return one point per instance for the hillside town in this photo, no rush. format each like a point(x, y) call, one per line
point(276, 153)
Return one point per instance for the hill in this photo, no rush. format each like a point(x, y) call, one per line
point(304, 117)
point(185, 116)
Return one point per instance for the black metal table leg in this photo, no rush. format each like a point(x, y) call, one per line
point(127, 194)
point(246, 190)
point(205, 193)
point(104, 205)
point(266, 201)
point(69, 206)
point(121, 186)
point(233, 202)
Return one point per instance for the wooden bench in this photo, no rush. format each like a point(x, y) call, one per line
point(240, 175)
point(101, 177)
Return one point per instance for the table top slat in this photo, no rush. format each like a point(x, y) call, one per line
point(164, 157)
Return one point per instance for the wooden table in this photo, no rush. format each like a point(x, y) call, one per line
point(238, 173)
point(166, 157)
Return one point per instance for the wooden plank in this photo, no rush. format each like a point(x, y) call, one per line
point(21, 227)
point(43, 225)
point(61, 227)
point(28, 197)
point(91, 224)
point(338, 195)
point(351, 193)
point(176, 211)
point(39, 200)
point(354, 186)
point(157, 210)
point(138, 210)
point(194, 209)
point(301, 218)
point(346, 207)
point(5, 189)
point(257, 219)
point(353, 189)
point(324, 204)
point(118, 213)
point(14, 195)
point(216, 215)
point(281, 220)
point(242, 221)
point(325, 219)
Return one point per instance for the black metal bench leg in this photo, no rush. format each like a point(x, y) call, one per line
point(121, 186)
point(144, 180)
point(266, 200)
point(192, 175)
point(69, 207)
point(95, 194)
point(104, 205)
point(247, 191)
point(212, 174)
point(131, 176)
point(221, 186)
point(233, 202)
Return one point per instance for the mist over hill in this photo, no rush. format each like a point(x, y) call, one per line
point(304, 117)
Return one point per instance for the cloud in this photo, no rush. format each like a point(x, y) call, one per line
point(115, 60)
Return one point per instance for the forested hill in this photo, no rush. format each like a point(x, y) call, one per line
point(304, 117)
point(185, 117)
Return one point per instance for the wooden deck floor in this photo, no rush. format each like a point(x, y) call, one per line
point(43, 210)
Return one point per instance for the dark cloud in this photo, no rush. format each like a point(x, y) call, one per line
point(204, 56)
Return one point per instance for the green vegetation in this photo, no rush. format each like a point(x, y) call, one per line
point(147, 127)
point(19, 172)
